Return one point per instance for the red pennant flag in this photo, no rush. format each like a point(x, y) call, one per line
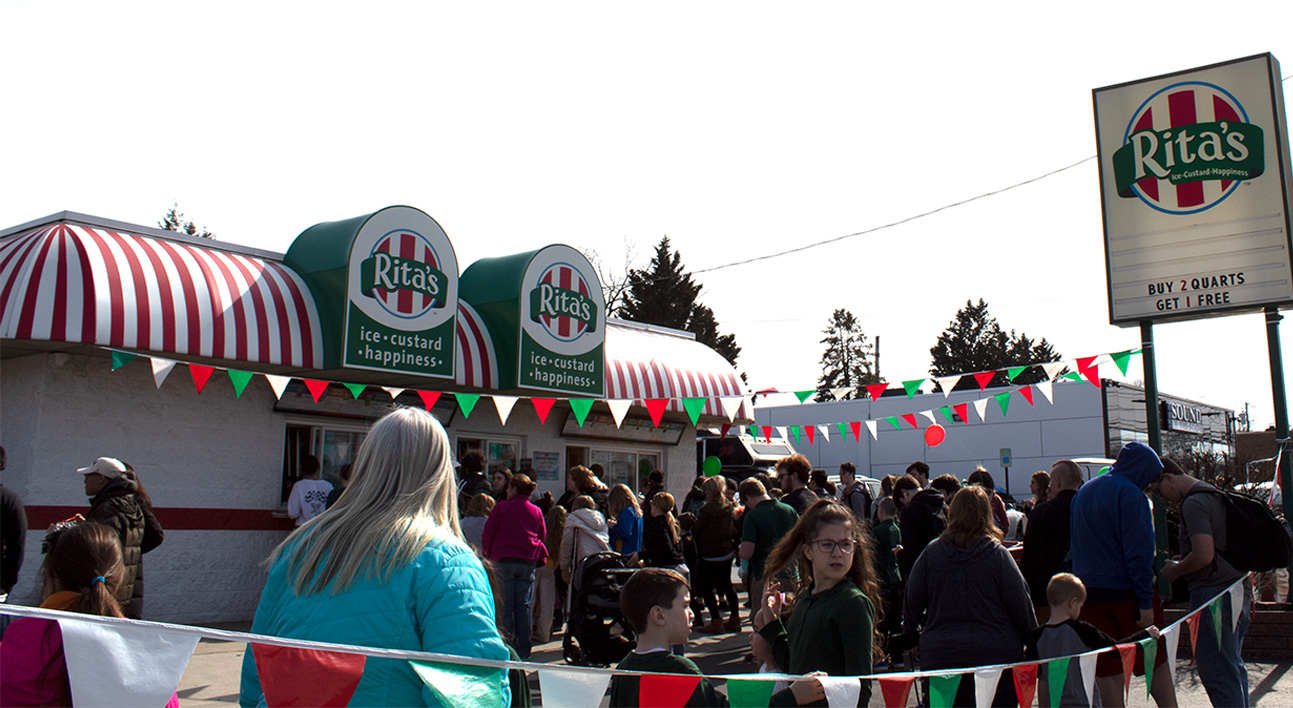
point(1128, 654)
point(543, 406)
point(1084, 363)
point(1025, 683)
point(655, 406)
point(876, 391)
point(808, 430)
point(1092, 374)
point(429, 398)
point(911, 418)
point(1027, 393)
point(666, 691)
point(1193, 622)
point(963, 410)
point(201, 374)
point(895, 691)
point(307, 677)
point(767, 433)
point(723, 434)
point(984, 378)
point(857, 430)
point(316, 388)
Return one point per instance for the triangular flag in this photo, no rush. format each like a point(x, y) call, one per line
point(794, 431)
point(984, 378)
point(1193, 622)
point(856, 427)
point(910, 418)
point(838, 393)
point(893, 420)
point(912, 387)
point(1086, 663)
point(723, 434)
point(543, 406)
point(1057, 672)
point(666, 691)
point(844, 429)
point(201, 375)
point(754, 431)
point(1003, 400)
point(942, 690)
point(876, 391)
point(467, 402)
point(123, 664)
point(394, 392)
point(240, 380)
point(1027, 393)
point(429, 399)
point(870, 426)
point(781, 431)
point(896, 691)
point(841, 691)
point(1151, 652)
point(656, 406)
point(161, 369)
point(584, 689)
point(1073, 376)
point(1236, 604)
point(1013, 372)
point(620, 408)
point(581, 406)
point(120, 359)
point(1091, 370)
point(731, 405)
point(1025, 676)
point(307, 677)
point(985, 686)
point(1045, 387)
point(963, 410)
point(929, 415)
point(803, 395)
point(1126, 652)
point(947, 383)
point(355, 389)
point(1214, 611)
point(826, 432)
point(693, 406)
point(278, 383)
point(316, 388)
point(504, 405)
point(1053, 369)
point(743, 693)
point(981, 407)
point(808, 432)
point(1121, 359)
point(767, 432)
point(1173, 636)
point(947, 413)
point(462, 685)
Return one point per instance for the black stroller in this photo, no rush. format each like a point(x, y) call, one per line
point(597, 633)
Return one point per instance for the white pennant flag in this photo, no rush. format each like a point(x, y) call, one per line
point(981, 406)
point(619, 408)
point(947, 383)
point(124, 664)
point(1173, 636)
point(161, 369)
point(930, 416)
point(1053, 369)
point(871, 425)
point(504, 405)
point(1046, 390)
point(985, 686)
point(841, 692)
point(278, 383)
point(1236, 604)
point(577, 689)
point(1087, 663)
point(395, 392)
point(836, 393)
point(782, 432)
point(731, 405)
point(825, 431)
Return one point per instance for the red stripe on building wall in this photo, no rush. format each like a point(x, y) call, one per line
point(175, 518)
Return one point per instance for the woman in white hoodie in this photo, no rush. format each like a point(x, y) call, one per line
point(585, 534)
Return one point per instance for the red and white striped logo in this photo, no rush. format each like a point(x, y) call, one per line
point(405, 244)
point(564, 327)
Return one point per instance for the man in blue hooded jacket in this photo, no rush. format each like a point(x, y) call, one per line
point(1113, 554)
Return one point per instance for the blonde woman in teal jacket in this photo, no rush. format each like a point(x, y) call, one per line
point(385, 567)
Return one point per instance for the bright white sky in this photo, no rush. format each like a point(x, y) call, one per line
point(737, 129)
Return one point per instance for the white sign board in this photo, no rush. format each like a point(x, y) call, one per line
point(1194, 181)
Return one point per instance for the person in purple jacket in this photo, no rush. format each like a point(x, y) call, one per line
point(513, 540)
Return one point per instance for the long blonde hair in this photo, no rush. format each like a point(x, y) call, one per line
point(621, 498)
point(715, 489)
point(402, 497)
point(969, 517)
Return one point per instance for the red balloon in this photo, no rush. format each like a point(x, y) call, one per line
point(934, 435)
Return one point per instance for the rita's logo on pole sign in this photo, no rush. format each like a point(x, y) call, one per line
point(1187, 148)
point(563, 331)
point(403, 295)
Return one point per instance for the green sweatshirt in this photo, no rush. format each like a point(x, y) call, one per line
point(624, 689)
point(829, 631)
point(887, 536)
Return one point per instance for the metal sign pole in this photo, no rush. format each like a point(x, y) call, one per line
point(1285, 471)
point(1156, 442)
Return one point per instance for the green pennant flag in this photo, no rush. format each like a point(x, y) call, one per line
point(1003, 400)
point(355, 389)
point(794, 430)
point(911, 387)
point(694, 406)
point(462, 685)
point(754, 432)
point(749, 694)
point(581, 406)
point(240, 380)
point(1073, 376)
point(803, 395)
point(894, 422)
point(942, 690)
point(120, 359)
point(467, 401)
point(1013, 372)
point(1121, 359)
point(1060, 668)
point(1214, 611)
point(1151, 653)
point(947, 413)
point(843, 428)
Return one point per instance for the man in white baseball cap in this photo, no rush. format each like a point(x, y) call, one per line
point(99, 474)
point(114, 504)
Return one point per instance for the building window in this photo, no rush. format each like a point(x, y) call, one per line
point(499, 450)
point(625, 466)
point(334, 444)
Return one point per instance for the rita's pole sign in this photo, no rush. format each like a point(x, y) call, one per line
point(1194, 177)
point(387, 285)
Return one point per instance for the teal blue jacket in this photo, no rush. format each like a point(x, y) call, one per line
point(441, 602)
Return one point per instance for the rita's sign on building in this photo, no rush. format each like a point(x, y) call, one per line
point(387, 287)
point(1194, 180)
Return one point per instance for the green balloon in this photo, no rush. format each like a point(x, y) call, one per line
point(712, 466)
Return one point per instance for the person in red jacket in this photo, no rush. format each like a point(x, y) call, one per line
point(514, 540)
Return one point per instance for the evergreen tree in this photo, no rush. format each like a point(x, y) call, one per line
point(974, 341)
point(846, 363)
point(174, 221)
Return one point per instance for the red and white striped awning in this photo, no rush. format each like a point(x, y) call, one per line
point(476, 363)
point(71, 282)
point(647, 363)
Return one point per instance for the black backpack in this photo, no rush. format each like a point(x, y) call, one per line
point(1256, 539)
